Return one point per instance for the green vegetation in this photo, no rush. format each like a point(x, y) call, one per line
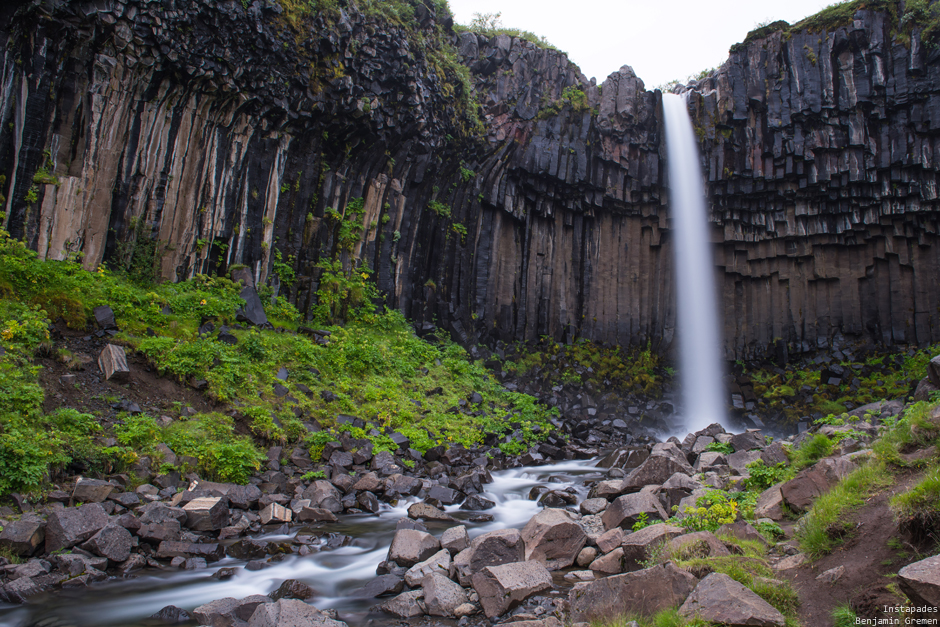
point(724, 448)
point(918, 509)
point(372, 366)
point(490, 25)
point(761, 476)
point(572, 96)
point(711, 511)
point(811, 451)
point(826, 524)
point(844, 616)
point(638, 370)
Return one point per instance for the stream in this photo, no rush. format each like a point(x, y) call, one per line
point(334, 573)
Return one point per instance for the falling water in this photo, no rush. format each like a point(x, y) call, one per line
point(701, 368)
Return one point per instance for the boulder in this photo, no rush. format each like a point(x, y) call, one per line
point(720, 599)
point(739, 460)
point(554, 538)
point(493, 548)
point(742, 530)
point(749, 440)
point(217, 613)
point(587, 555)
point(291, 613)
point(207, 513)
point(91, 491)
point(113, 542)
point(426, 511)
point(627, 510)
point(410, 546)
point(274, 513)
point(71, 525)
point(315, 514)
point(440, 562)
point(22, 537)
point(171, 615)
point(253, 311)
point(210, 551)
point(405, 605)
point(920, 581)
point(455, 539)
point(113, 363)
point(609, 564)
point(656, 470)
point(501, 588)
point(292, 589)
point(643, 592)
point(610, 540)
point(589, 507)
point(770, 504)
point(639, 545)
point(441, 595)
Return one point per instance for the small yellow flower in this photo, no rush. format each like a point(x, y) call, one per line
point(365, 275)
point(202, 302)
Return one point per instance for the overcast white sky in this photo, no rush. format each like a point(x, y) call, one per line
point(661, 40)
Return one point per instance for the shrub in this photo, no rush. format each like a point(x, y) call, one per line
point(811, 451)
point(918, 509)
point(724, 448)
point(761, 476)
point(714, 509)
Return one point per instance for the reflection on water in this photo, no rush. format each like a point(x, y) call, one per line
point(333, 574)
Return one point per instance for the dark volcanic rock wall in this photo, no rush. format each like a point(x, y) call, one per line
point(206, 134)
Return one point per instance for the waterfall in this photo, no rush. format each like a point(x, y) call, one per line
point(700, 368)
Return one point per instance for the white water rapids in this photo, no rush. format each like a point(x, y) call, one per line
point(701, 370)
point(333, 574)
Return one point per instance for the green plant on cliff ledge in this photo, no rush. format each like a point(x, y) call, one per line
point(491, 24)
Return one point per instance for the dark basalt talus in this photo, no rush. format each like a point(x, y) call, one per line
point(205, 134)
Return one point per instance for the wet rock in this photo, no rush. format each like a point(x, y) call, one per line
point(642, 592)
point(380, 586)
point(293, 589)
point(113, 542)
point(720, 599)
point(316, 514)
point(504, 587)
point(291, 613)
point(455, 539)
point(475, 502)
point(553, 538)
point(398, 485)
point(493, 548)
point(426, 511)
point(440, 562)
point(22, 537)
point(410, 546)
point(627, 510)
point(406, 605)
point(69, 526)
point(441, 595)
point(19, 590)
point(920, 581)
point(210, 551)
point(172, 615)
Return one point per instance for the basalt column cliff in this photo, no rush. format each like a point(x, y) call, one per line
point(503, 195)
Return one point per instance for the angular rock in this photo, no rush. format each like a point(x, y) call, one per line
point(172, 615)
point(113, 363)
point(405, 605)
point(113, 542)
point(218, 613)
point(642, 592)
point(698, 544)
point(553, 538)
point(410, 546)
point(293, 589)
point(316, 514)
point(656, 470)
point(493, 548)
point(440, 562)
point(742, 530)
point(91, 491)
point(291, 613)
point(380, 586)
point(501, 588)
point(274, 513)
point(207, 513)
point(210, 551)
point(67, 527)
point(22, 537)
point(610, 540)
point(426, 511)
point(593, 506)
point(920, 581)
point(609, 564)
point(627, 510)
point(455, 539)
point(639, 545)
point(770, 504)
point(441, 595)
point(720, 599)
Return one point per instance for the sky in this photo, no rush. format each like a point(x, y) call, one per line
point(662, 41)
